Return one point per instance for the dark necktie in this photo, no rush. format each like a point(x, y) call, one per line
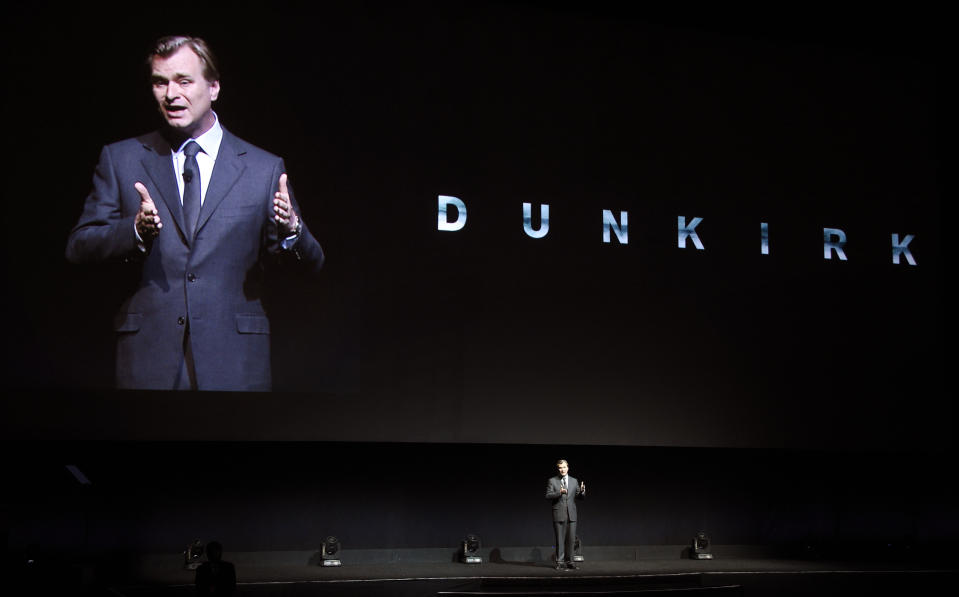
point(191, 188)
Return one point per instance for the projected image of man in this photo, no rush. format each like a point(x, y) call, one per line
point(200, 214)
point(563, 491)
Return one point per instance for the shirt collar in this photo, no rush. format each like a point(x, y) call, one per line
point(209, 141)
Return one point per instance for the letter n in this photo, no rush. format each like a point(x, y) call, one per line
point(620, 229)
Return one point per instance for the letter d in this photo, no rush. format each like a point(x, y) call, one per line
point(442, 214)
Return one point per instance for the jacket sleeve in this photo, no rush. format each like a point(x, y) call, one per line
point(104, 232)
point(304, 248)
point(552, 491)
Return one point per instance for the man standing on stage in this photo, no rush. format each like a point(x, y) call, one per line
point(200, 213)
point(563, 491)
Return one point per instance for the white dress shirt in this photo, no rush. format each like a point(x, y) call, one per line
point(209, 142)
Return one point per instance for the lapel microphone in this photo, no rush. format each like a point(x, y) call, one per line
point(187, 176)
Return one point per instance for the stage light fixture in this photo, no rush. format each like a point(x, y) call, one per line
point(471, 545)
point(331, 545)
point(700, 549)
point(578, 550)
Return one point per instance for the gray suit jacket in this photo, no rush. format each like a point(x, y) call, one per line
point(564, 508)
point(213, 282)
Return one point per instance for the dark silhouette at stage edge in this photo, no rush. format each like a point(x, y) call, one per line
point(215, 577)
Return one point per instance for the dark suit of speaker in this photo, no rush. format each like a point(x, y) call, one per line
point(564, 514)
point(209, 286)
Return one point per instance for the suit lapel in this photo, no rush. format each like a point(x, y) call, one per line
point(159, 166)
point(229, 165)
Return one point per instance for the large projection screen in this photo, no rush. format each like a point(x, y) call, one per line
point(543, 225)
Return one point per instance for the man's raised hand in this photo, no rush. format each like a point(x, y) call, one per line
point(148, 222)
point(283, 212)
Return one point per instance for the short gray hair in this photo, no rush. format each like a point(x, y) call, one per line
point(167, 46)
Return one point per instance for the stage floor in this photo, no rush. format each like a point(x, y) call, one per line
point(272, 574)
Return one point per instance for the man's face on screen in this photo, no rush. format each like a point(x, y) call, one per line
point(184, 96)
point(562, 468)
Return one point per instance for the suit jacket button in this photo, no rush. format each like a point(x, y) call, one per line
point(191, 277)
point(180, 320)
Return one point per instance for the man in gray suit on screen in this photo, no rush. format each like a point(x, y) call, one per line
point(197, 214)
point(563, 491)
